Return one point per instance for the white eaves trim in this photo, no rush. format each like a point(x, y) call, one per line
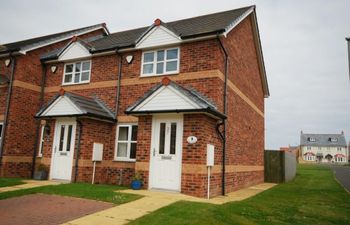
point(238, 20)
point(166, 98)
point(61, 107)
point(158, 36)
point(74, 51)
point(28, 48)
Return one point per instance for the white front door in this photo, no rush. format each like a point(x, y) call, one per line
point(166, 152)
point(63, 150)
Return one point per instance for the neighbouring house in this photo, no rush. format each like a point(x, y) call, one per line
point(154, 101)
point(323, 148)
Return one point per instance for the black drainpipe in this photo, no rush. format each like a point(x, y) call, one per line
point(8, 103)
point(118, 84)
point(37, 131)
point(223, 122)
point(117, 100)
point(78, 150)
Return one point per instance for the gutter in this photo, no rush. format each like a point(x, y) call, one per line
point(37, 131)
point(8, 103)
point(223, 122)
point(78, 150)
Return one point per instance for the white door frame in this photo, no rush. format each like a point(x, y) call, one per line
point(56, 138)
point(155, 138)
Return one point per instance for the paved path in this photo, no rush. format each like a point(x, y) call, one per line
point(29, 184)
point(154, 200)
point(46, 209)
point(342, 174)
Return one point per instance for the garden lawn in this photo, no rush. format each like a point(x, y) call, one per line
point(99, 192)
point(6, 182)
point(313, 197)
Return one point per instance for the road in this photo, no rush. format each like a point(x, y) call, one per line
point(342, 173)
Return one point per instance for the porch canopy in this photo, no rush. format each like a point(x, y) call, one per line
point(73, 105)
point(169, 97)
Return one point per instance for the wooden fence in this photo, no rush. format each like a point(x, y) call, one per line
point(280, 166)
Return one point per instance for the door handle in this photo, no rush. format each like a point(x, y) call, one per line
point(55, 149)
point(154, 152)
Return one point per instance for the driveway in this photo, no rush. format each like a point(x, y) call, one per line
point(46, 209)
point(342, 173)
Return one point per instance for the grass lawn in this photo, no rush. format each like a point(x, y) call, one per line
point(99, 192)
point(5, 182)
point(314, 197)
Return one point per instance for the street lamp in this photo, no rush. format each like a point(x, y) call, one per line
point(348, 40)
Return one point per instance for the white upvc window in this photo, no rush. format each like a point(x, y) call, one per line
point(1, 128)
point(42, 140)
point(339, 149)
point(159, 62)
point(77, 73)
point(309, 158)
point(126, 142)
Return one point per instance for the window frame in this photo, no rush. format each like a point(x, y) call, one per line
point(73, 73)
point(129, 142)
point(42, 140)
point(154, 63)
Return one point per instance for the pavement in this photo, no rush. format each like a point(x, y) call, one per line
point(46, 209)
point(154, 200)
point(342, 174)
point(29, 184)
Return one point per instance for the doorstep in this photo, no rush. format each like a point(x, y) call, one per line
point(155, 199)
point(29, 184)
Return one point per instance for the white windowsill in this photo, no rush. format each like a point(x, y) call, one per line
point(124, 160)
point(159, 75)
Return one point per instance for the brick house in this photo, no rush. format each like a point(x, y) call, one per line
point(153, 98)
point(323, 148)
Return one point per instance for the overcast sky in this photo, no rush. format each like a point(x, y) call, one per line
point(303, 44)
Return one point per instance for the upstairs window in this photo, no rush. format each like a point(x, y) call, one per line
point(312, 139)
point(165, 61)
point(77, 73)
point(333, 139)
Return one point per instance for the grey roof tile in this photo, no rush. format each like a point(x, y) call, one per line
point(92, 107)
point(205, 104)
point(322, 140)
point(32, 42)
point(201, 25)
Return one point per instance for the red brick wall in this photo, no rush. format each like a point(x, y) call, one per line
point(204, 128)
point(20, 134)
point(245, 127)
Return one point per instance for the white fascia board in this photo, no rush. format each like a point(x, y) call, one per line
point(179, 94)
point(176, 38)
point(36, 46)
point(238, 20)
point(74, 51)
point(58, 100)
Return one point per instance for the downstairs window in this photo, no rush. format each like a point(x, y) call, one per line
point(126, 142)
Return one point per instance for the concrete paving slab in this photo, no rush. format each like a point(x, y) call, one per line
point(30, 184)
point(153, 200)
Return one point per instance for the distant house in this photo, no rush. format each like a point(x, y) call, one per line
point(323, 148)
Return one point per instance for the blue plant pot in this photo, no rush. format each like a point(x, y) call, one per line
point(136, 184)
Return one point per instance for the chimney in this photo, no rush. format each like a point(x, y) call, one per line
point(342, 132)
